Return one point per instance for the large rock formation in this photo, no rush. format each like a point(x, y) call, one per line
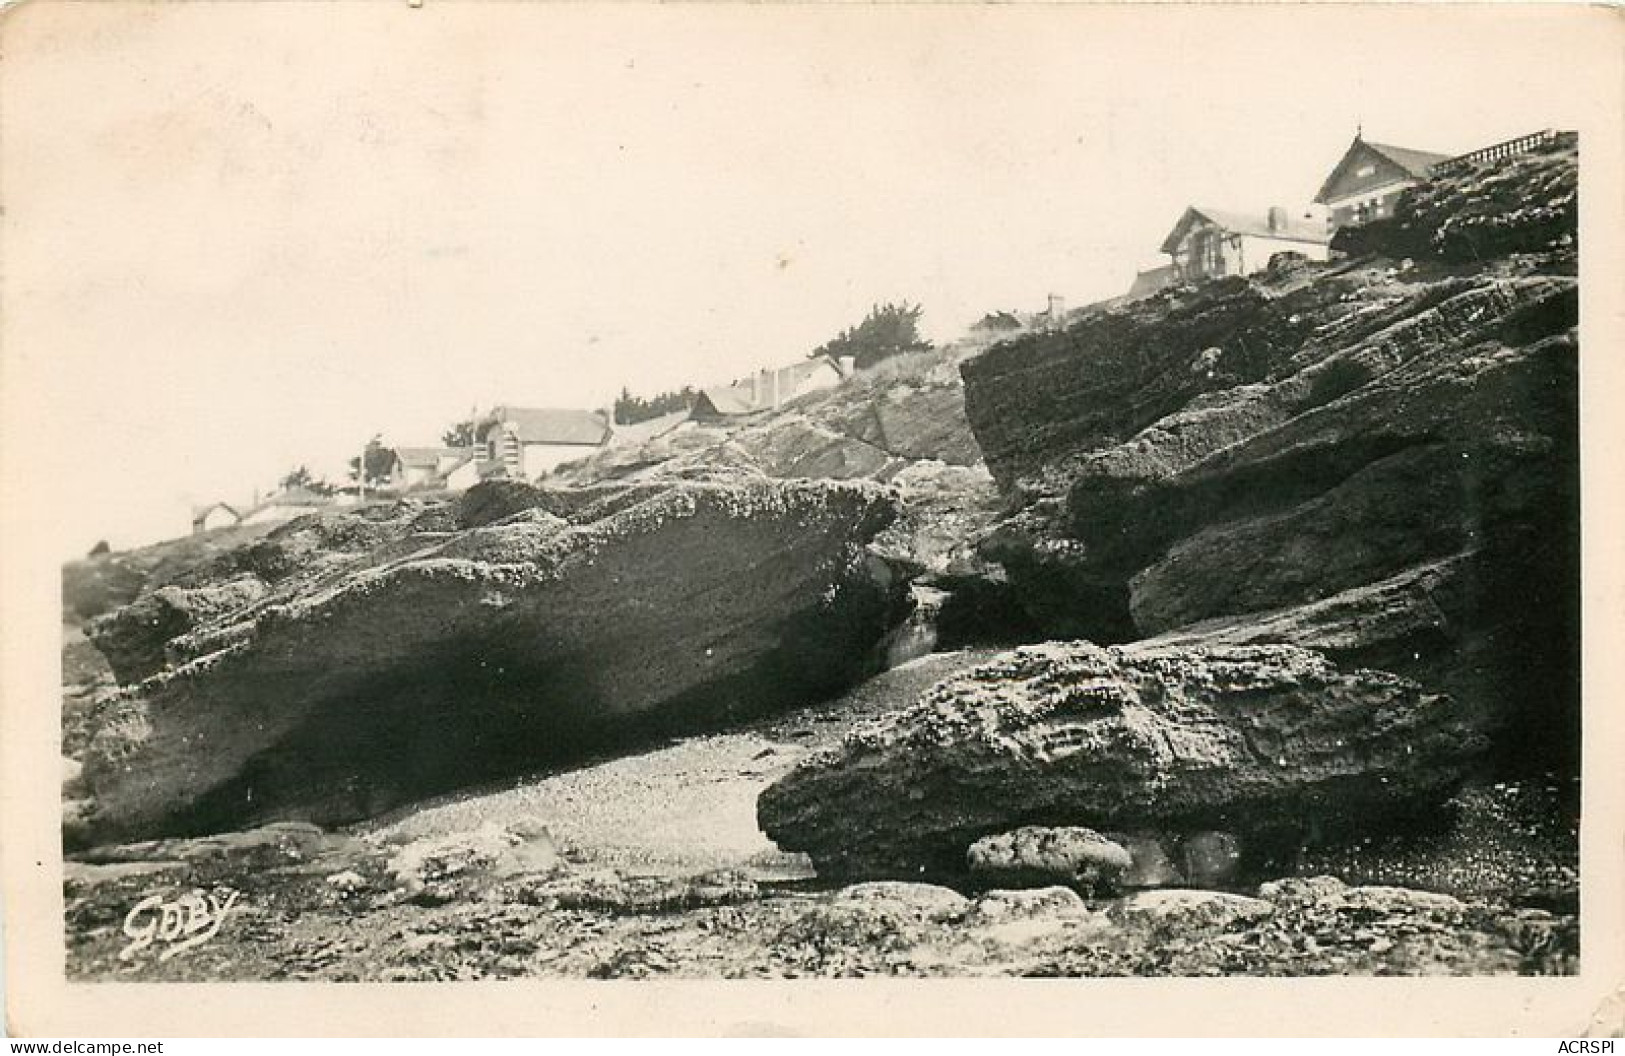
point(1376, 457)
point(451, 644)
point(1272, 743)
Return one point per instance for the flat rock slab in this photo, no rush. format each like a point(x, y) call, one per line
point(470, 654)
point(1262, 741)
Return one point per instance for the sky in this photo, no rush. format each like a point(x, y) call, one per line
point(244, 237)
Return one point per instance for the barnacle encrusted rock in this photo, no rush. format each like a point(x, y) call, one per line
point(1269, 742)
point(1040, 856)
point(456, 657)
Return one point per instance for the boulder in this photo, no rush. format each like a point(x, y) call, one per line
point(1000, 906)
point(1150, 863)
point(877, 916)
point(450, 658)
point(1270, 743)
point(1037, 856)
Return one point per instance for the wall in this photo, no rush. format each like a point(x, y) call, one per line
point(536, 459)
point(464, 476)
point(1256, 252)
point(1379, 200)
point(825, 377)
point(412, 476)
point(1239, 254)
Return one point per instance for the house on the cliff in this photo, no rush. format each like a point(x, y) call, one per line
point(215, 515)
point(525, 442)
point(432, 467)
point(768, 389)
point(1211, 243)
point(1370, 177)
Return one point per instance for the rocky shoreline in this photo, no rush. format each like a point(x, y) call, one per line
point(1232, 630)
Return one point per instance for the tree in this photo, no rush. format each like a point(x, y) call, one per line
point(888, 330)
point(379, 461)
point(460, 434)
point(301, 477)
point(630, 409)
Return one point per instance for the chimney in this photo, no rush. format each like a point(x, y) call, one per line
point(766, 392)
point(1277, 218)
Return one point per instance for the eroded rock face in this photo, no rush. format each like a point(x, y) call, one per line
point(132, 638)
point(1375, 457)
point(450, 657)
point(1269, 743)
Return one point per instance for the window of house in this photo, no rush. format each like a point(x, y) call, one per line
point(1365, 170)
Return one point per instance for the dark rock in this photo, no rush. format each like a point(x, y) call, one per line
point(1211, 859)
point(442, 662)
point(1268, 743)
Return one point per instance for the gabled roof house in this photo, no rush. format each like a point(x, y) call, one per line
point(1369, 178)
point(527, 442)
point(417, 467)
point(1208, 243)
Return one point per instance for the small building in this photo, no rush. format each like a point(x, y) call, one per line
point(215, 515)
point(1211, 243)
point(768, 389)
point(1369, 179)
point(526, 442)
point(422, 467)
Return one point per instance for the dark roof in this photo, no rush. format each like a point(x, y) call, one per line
point(551, 425)
point(1296, 228)
point(1413, 163)
point(428, 457)
point(747, 397)
point(738, 398)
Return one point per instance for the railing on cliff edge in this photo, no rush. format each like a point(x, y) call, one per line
point(1495, 152)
